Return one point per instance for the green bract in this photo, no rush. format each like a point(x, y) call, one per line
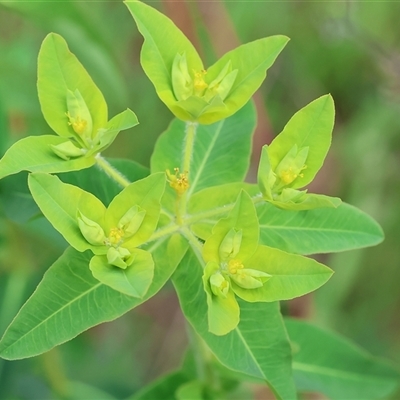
point(238, 265)
point(191, 92)
point(294, 157)
point(113, 234)
point(74, 108)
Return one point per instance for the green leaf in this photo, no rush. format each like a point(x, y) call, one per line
point(75, 301)
point(192, 390)
point(132, 281)
point(292, 275)
point(97, 182)
point(260, 341)
point(330, 364)
point(122, 121)
point(322, 230)
point(242, 218)
point(34, 154)
point(251, 61)
point(59, 71)
point(163, 41)
point(209, 204)
point(210, 164)
point(60, 202)
point(310, 127)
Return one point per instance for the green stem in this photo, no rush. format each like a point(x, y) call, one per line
point(55, 374)
point(112, 172)
point(166, 230)
point(194, 243)
point(191, 128)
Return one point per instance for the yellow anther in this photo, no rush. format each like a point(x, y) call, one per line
point(199, 83)
point(179, 182)
point(116, 235)
point(288, 176)
point(78, 124)
point(234, 266)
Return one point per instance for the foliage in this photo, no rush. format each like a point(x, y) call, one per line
point(232, 250)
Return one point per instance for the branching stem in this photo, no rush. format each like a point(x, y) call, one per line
point(112, 172)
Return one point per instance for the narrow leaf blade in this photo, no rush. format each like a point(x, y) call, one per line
point(322, 230)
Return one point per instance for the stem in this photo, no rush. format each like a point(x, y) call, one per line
point(111, 171)
point(191, 128)
point(194, 242)
point(54, 373)
point(166, 230)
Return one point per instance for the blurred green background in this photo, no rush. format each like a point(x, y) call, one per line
point(349, 49)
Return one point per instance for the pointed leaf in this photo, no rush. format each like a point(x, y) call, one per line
point(251, 60)
point(330, 364)
point(34, 154)
point(157, 57)
point(75, 301)
point(59, 71)
point(260, 341)
point(60, 203)
point(310, 127)
point(322, 230)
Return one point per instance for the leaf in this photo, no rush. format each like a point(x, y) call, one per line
point(209, 204)
point(242, 218)
point(310, 127)
point(97, 182)
point(74, 301)
point(322, 230)
point(122, 121)
point(221, 151)
point(59, 71)
point(60, 202)
point(163, 41)
point(292, 275)
point(251, 61)
point(328, 363)
point(260, 341)
point(132, 281)
point(34, 154)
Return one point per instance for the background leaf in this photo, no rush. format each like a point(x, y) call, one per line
point(326, 362)
point(260, 341)
point(322, 230)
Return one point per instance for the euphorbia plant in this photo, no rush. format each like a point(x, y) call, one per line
point(232, 249)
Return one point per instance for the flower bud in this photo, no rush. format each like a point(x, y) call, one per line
point(289, 169)
point(132, 220)
point(79, 115)
point(182, 83)
point(219, 285)
point(119, 257)
point(223, 83)
point(91, 230)
point(230, 245)
point(67, 150)
point(250, 278)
